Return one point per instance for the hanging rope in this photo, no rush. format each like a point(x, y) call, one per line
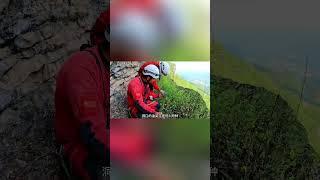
point(303, 85)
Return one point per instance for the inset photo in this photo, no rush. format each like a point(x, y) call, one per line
point(159, 89)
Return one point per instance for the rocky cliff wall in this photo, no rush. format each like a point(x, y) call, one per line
point(36, 37)
point(121, 74)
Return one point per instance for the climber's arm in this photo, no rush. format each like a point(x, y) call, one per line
point(155, 85)
point(139, 103)
point(88, 109)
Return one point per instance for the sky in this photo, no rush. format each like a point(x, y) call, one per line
point(192, 66)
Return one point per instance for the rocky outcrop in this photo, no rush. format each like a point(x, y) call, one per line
point(36, 37)
point(121, 74)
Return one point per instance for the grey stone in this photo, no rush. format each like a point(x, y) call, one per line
point(20, 163)
point(3, 4)
point(47, 31)
point(117, 75)
point(73, 45)
point(31, 83)
point(22, 69)
point(56, 42)
point(56, 55)
point(11, 60)
point(4, 52)
point(3, 68)
point(116, 70)
point(6, 98)
point(27, 40)
point(28, 53)
point(21, 26)
point(50, 70)
point(2, 41)
point(40, 48)
point(8, 116)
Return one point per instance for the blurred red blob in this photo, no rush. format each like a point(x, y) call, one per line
point(130, 142)
point(148, 7)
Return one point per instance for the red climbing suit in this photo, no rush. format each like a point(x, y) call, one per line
point(156, 63)
point(81, 111)
point(139, 101)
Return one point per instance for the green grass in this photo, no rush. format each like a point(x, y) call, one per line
point(183, 83)
point(229, 66)
point(249, 130)
point(186, 103)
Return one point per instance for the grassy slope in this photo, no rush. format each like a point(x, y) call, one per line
point(229, 66)
point(181, 82)
point(182, 101)
point(269, 145)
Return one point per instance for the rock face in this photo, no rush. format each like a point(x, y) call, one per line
point(121, 74)
point(36, 37)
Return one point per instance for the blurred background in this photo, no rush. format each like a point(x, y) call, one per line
point(170, 30)
point(158, 149)
point(274, 45)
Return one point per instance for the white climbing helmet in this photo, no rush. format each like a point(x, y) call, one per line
point(164, 68)
point(151, 70)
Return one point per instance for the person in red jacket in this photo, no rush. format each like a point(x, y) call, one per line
point(164, 68)
point(82, 109)
point(139, 93)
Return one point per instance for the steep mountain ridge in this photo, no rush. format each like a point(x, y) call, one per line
point(256, 134)
point(229, 66)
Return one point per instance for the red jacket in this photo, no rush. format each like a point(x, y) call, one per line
point(138, 93)
point(81, 109)
point(156, 63)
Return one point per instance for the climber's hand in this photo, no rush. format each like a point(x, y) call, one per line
point(162, 93)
